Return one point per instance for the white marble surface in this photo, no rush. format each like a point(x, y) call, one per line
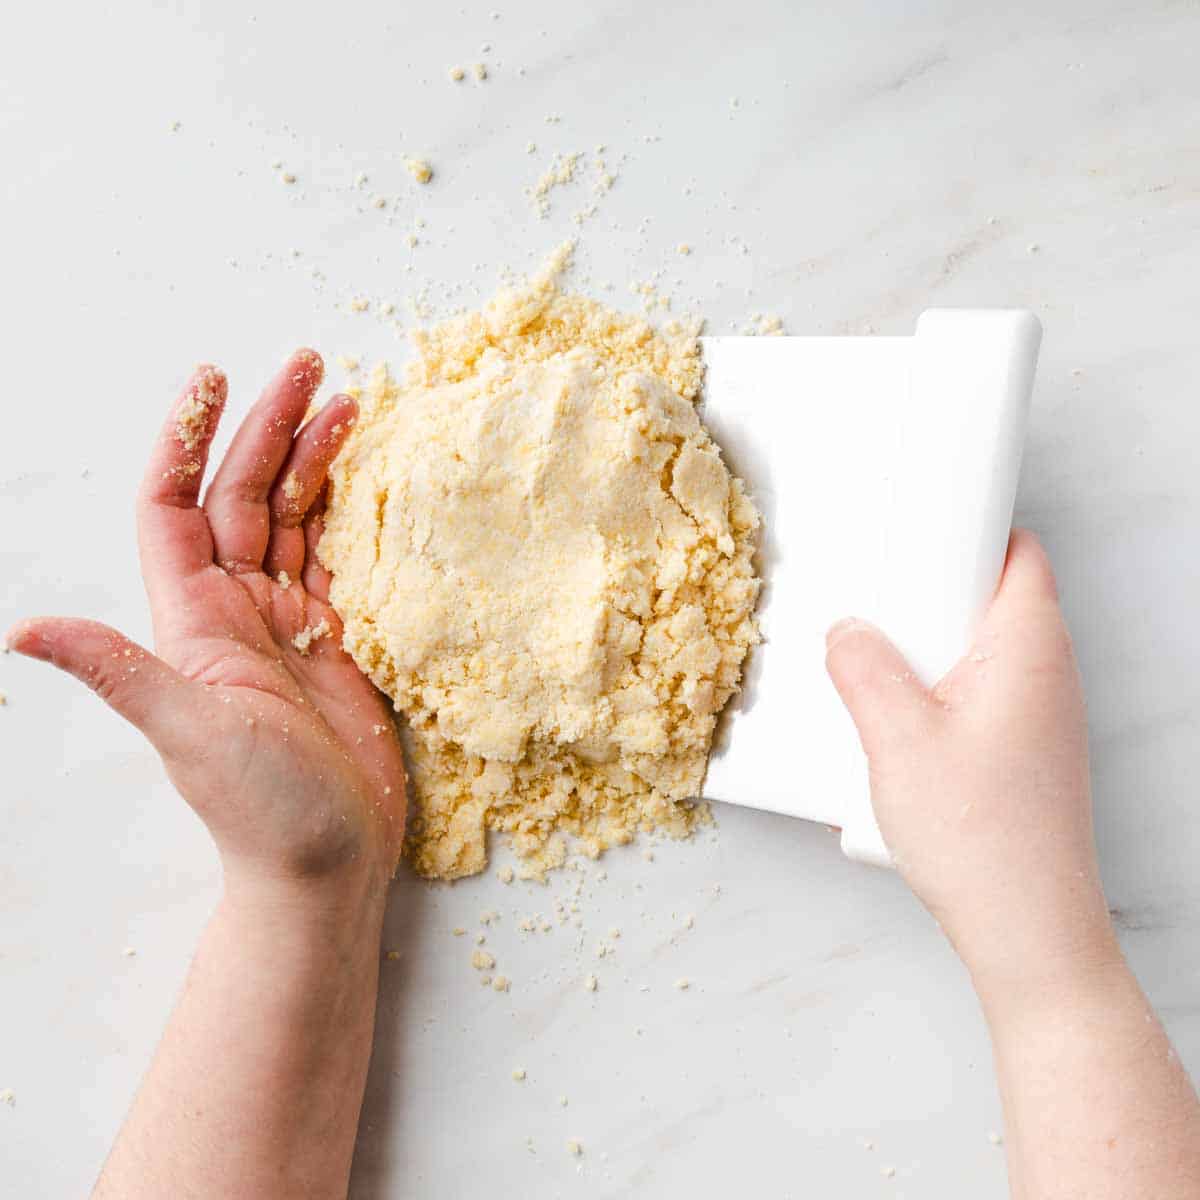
point(881, 158)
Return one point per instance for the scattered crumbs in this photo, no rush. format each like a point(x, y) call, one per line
point(311, 633)
point(486, 980)
point(683, 248)
point(764, 325)
point(379, 201)
point(378, 730)
point(287, 176)
point(488, 916)
point(479, 70)
point(648, 854)
point(420, 169)
point(458, 931)
point(552, 118)
point(614, 933)
point(591, 983)
point(887, 1172)
point(387, 308)
point(8, 1096)
point(359, 304)
point(481, 960)
point(284, 580)
point(393, 955)
point(411, 240)
point(574, 1146)
point(562, 1100)
point(995, 1138)
point(518, 1073)
point(531, 147)
point(129, 952)
point(560, 172)
point(480, 939)
point(505, 874)
point(457, 74)
point(683, 983)
point(291, 486)
point(501, 984)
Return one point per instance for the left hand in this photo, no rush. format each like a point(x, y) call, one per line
point(283, 747)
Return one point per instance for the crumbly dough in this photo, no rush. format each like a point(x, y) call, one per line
point(539, 554)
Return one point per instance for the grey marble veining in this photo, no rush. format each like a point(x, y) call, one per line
point(843, 167)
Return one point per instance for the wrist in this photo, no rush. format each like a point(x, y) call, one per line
point(1061, 979)
point(346, 902)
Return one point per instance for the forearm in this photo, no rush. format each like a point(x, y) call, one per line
point(1096, 1102)
point(256, 1087)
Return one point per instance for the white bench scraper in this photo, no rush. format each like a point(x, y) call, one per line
point(885, 470)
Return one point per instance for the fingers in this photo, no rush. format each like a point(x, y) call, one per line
point(1027, 576)
point(316, 578)
point(886, 701)
point(130, 680)
point(1025, 610)
point(300, 480)
point(236, 503)
point(173, 534)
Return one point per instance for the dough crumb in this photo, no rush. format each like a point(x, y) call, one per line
point(501, 983)
point(591, 983)
point(420, 169)
point(3, 699)
point(311, 633)
point(518, 1074)
point(540, 556)
point(458, 931)
point(393, 956)
point(560, 172)
point(683, 984)
point(191, 418)
point(995, 1138)
point(284, 580)
point(8, 1096)
point(574, 1146)
point(479, 70)
point(887, 1172)
point(505, 874)
point(481, 960)
point(457, 74)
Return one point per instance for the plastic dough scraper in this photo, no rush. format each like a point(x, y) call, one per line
point(885, 469)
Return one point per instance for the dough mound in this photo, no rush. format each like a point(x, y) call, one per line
point(538, 553)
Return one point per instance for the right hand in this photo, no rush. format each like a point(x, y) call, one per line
point(980, 784)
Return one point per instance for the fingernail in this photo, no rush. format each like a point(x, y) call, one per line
point(843, 627)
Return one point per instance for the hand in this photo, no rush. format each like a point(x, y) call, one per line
point(265, 725)
point(980, 784)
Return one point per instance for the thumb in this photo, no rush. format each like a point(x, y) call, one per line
point(887, 702)
point(131, 681)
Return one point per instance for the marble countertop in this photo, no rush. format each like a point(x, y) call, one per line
point(842, 167)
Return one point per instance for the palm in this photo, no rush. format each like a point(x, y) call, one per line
point(269, 729)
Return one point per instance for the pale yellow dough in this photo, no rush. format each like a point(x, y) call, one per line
point(538, 553)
